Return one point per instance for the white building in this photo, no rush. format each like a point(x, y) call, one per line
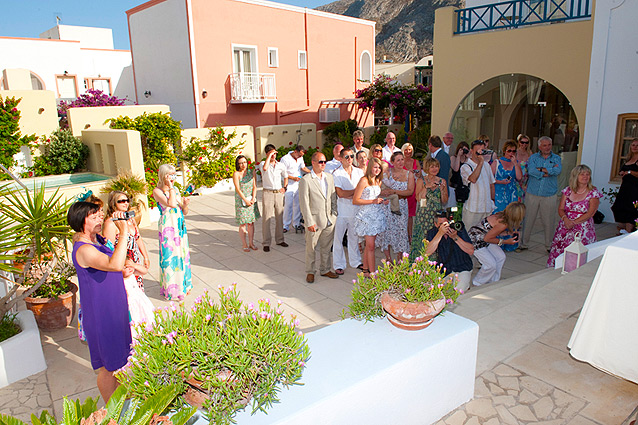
point(67, 60)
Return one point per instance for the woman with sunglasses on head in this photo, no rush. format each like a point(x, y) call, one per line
point(523, 152)
point(174, 259)
point(135, 249)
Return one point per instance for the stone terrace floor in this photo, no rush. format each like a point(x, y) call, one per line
point(528, 379)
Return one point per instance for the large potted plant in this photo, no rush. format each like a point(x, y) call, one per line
point(411, 294)
point(46, 278)
point(221, 355)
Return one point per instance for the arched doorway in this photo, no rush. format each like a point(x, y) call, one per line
point(505, 106)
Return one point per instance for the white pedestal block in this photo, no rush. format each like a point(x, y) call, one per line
point(21, 355)
point(374, 373)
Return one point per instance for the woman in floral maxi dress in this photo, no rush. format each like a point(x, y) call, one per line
point(433, 191)
point(246, 209)
point(578, 205)
point(174, 259)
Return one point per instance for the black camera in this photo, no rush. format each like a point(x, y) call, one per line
point(487, 152)
point(465, 151)
point(449, 214)
point(127, 215)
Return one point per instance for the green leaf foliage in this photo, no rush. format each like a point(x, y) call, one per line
point(63, 154)
point(340, 132)
point(212, 159)
point(11, 140)
point(237, 353)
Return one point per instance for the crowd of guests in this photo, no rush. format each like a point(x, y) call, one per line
point(111, 260)
point(383, 197)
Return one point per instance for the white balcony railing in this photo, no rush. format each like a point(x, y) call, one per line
point(252, 87)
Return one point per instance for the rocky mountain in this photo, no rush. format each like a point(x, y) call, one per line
point(404, 27)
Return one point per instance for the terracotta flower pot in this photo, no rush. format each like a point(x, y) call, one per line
point(411, 316)
point(54, 313)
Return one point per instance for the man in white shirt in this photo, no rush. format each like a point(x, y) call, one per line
point(390, 148)
point(479, 177)
point(448, 139)
point(318, 201)
point(334, 163)
point(275, 180)
point(346, 179)
point(357, 139)
point(293, 161)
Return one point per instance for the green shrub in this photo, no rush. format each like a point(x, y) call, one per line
point(9, 326)
point(129, 183)
point(419, 139)
point(63, 153)
point(379, 136)
point(212, 159)
point(10, 138)
point(340, 132)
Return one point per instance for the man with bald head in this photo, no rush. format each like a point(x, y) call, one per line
point(448, 139)
point(390, 146)
point(318, 202)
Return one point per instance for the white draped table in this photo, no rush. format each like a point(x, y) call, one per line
point(606, 334)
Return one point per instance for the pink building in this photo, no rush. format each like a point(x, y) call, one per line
point(250, 62)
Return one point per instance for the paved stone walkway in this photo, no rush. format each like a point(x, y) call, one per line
point(27, 396)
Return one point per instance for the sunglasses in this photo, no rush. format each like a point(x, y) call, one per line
point(523, 143)
point(322, 162)
point(378, 150)
point(349, 157)
point(123, 201)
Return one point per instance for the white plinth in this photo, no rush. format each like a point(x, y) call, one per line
point(374, 373)
point(21, 355)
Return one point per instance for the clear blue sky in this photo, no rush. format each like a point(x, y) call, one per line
point(29, 18)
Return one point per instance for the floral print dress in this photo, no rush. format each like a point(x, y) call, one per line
point(424, 219)
point(396, 236)
point(245, 215)
point(174, 258)
point(564, 236)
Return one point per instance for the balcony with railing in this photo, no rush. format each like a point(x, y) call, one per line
point(519, 13)
point(252, 87)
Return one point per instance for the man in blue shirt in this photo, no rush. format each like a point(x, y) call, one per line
point(540, 197)
point(451, 248)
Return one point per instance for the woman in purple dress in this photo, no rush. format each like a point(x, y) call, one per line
point(101, 274)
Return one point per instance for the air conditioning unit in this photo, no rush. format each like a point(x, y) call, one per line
point(329, 115)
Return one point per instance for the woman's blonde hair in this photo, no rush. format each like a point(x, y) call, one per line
point(512, 216)
point(372, 179)
point(573, 177)
point(112, 202)
point(529, 144)
point(407, 146)
point(164, 170)
point(373, 147)
point(429, 162)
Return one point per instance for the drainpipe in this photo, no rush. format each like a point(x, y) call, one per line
point(305, 30)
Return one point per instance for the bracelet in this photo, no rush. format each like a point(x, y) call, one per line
point(455, 239)
point(500, 242)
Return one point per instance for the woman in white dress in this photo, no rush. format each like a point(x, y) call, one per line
point(370, 220)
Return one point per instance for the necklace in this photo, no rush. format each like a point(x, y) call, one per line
point(580, 193)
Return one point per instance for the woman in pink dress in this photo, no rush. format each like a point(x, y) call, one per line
point(411, 164)
point(577, 207)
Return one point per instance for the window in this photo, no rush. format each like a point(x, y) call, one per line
point(67, 86)
point(626, 132)
point(36, 82)
point(273, 57)
point(244, 59)
point(102, 84)
point(302, 59)
point(365, 73)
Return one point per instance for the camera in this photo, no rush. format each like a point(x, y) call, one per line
point(487, 152)
point(465, 151)
point(127, 215)
point(449, 214)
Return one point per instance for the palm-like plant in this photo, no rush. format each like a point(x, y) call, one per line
point(116, 411)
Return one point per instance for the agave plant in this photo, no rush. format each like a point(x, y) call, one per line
point(116, 412)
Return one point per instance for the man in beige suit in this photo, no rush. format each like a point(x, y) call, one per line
point(318, 202)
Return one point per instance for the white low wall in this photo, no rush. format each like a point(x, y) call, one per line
point(21, 355)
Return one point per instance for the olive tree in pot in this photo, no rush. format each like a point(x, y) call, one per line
point(40, 220)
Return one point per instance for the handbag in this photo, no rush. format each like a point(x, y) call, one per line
point(462, 191)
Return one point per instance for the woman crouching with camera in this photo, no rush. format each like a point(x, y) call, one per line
point(487, 244)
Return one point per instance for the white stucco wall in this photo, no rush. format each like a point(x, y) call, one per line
point(161, 57)
point(613, 85)
point(48, 58)
point(89, 37)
